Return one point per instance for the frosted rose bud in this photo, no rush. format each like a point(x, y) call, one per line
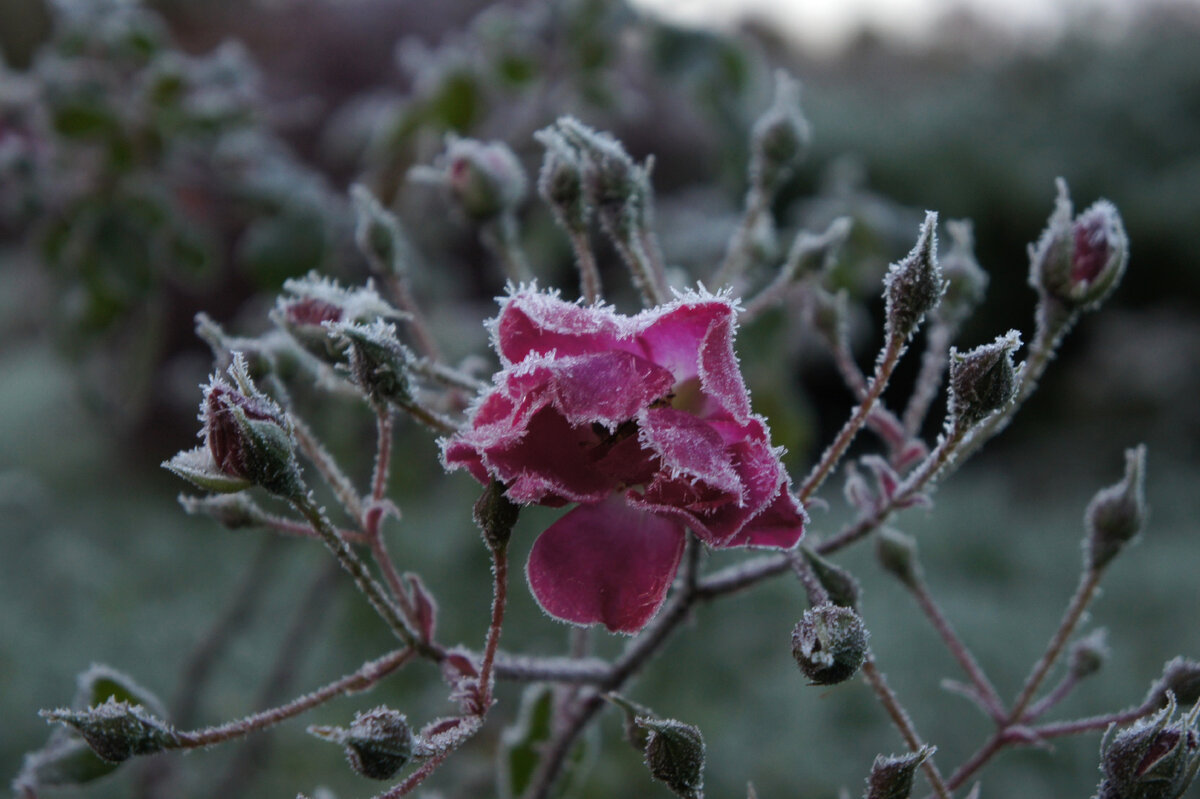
point(1155, 758)
point(484, 178)
point(560, 181)
point(780, 137)
point(375, 361)
point(378, 742)
point(675, 755)
point(841, 586)
point(892, 777)
point(248, 436)
point(983, 380)
point(117, 730)
point(1079, 261)
point(1180, 677)
point(914, 285)
point(1088, 654)
point(1117, 514)
point(378, 234)
point(310, 305)
point(829, 644)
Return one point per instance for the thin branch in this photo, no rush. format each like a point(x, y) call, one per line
point(896, 712)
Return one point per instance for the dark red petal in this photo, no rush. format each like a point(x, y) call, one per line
point(606, 563)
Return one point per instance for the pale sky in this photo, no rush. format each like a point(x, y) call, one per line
point(827, 23)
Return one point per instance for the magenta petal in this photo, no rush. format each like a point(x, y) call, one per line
point(688, 447)
point(780, 526)
point(608, 388)
point(532, 322)
point(720, 376)
point(606, 563)
point(672, 338)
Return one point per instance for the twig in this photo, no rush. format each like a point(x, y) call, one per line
point(903, 723)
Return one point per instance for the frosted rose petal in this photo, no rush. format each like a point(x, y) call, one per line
point(606, 563)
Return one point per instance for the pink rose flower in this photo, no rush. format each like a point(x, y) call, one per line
point(645, 422)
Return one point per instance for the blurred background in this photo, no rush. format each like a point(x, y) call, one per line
point(164, 158)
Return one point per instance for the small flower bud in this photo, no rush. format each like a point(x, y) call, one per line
point(376, 361)
point(966, 282)
point(828, 314)
point(1116, 514)
point(914, 285)
point(897, 554)
point(1079, 261)
point(780, 138)
point(1155, 758)
point(1181, 677)
point(496, 515)
point(983, 381)
point(312, 304)
point(378, 742)
point(830, 644)
point(892, 777)
point(561, 181)
point(484, 178)
point(117, 730)
point(840, 584)
point(249, 437)
point(615, 185)
point(1088, 654)
point(675, 755)
point(378, 234)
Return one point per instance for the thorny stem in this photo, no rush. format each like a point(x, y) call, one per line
point(327, 467)
point(430, 418)
point(830, 458)
point(929, 379)
point(983, 686)
point(353, 564)
point(446, 375)
point(817, 595)
point(287, 526)
point(903, 723)
point(645, 279)
point(417, 777)
point(417, 324)
point(738, 255)
point(1079, 603)
point(366, 676)
point(372, 521)
point(585, 260)
point(1056, 695)
point(499, 601)
point(383, 452)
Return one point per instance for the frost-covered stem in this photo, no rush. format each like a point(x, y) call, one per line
point(1079, 603)
point(383, 451)
point(830, 458)
point(1060, 692)
point(499, 602)
point(641, 270)
point(435, 421)
point(817, 595)
point(737, 256)
point(585, 261)
point(412, 781)
point(929, 379)
point(1093, 723)
point(366, 676)
point(416, 323)
point(501, 238)
point(327, 467)
point(654, 254)
point(287, 526)
point(522, 668)
point(977, 760)
point(856, 381)
point(960, 651)
point(899, 716)
point(353, 564)
point(447, 376)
